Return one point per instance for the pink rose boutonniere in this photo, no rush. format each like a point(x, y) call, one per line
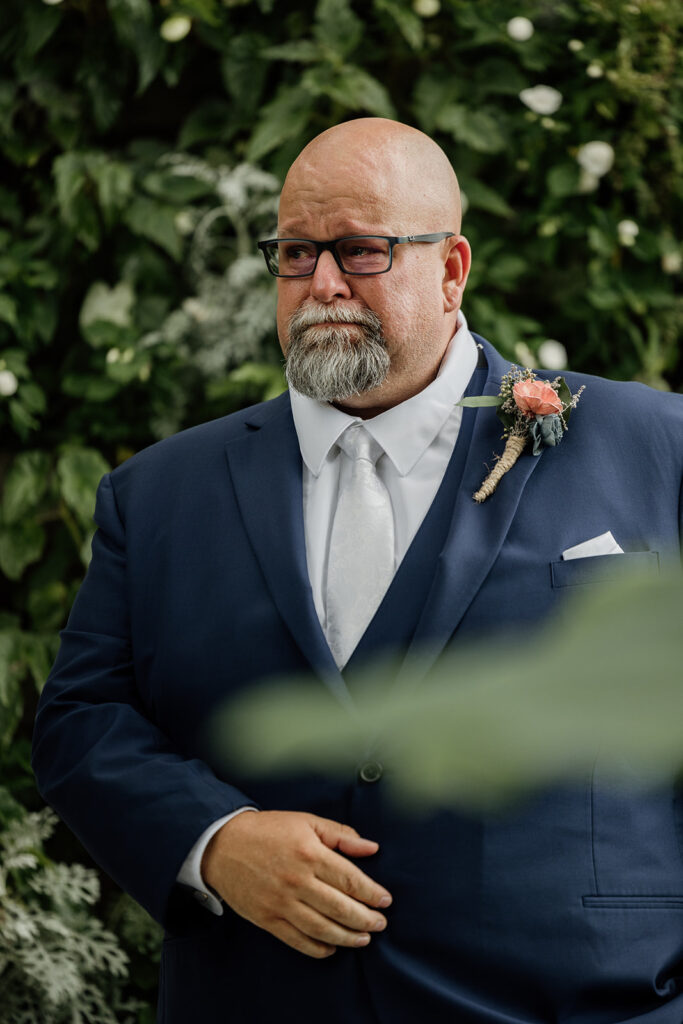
point(530, 410)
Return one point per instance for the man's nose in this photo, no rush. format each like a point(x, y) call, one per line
point(328, 281)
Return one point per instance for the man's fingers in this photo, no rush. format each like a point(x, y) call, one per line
point(325, 930)
point(341, 874)
point(344, 910)
point(295, 938)
point(342, 837)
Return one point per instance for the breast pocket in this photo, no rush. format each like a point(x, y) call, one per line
point(576, 572)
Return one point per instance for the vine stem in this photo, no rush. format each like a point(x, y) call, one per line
point(514, 446)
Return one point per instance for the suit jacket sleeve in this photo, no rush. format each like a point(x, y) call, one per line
point(136, 803)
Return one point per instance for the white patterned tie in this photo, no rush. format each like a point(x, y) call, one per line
point(361, 559)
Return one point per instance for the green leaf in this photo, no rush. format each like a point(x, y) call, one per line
point(301, 51)
point(79, 471)
point(480, 401)
point(286, 116)
point(432, 93)
point(481, 197)
point(351, 87)
point(156, 222)
point(106, 306)
point(176, 188)
point(95, 389)
point(75, 206)
point(40, 23)
point(563, 180)
point(22, 420)
point(210, 122)
point(497, 75)
point(114, 181)
point(337, 27)
point(20, 545)
point(477, 129)
point(408, 23)
point(8, 311)
point(25, 485)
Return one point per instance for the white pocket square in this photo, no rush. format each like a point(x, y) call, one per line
point(605, 544)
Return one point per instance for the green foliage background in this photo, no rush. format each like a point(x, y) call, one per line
point(143, 144)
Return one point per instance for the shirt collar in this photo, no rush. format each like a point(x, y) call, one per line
point(406, 430)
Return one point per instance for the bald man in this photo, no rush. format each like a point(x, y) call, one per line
point(312, 534)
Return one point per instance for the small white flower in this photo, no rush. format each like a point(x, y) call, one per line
point(175, 28)
point(587, 182)
point(672, 262)
point(8, 383)
point(128, 355)
point(426, 8)
point(627, 230)
point(464, 202)
point(542, 99)
point(113, 355)
point(184, 222)
point(595, 70)
point(552, 355)
point(548, 122)
point(575, 45)
point(52, 3)
point(596, 157)
point(520, 29)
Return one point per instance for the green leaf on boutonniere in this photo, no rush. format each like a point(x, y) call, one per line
point(565, 396)
point(479, 401)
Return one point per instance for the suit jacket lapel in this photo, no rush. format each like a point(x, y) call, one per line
point(264, 462)
point(477, 531)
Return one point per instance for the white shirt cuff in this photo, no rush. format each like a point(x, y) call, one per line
point(190, 872)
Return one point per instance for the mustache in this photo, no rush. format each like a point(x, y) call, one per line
point(312, 316)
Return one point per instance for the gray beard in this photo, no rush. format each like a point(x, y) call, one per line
point(331, 363)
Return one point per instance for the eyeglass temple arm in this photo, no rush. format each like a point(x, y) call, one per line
point(437, 237)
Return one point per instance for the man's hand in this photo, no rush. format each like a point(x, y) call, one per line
point(279, 870)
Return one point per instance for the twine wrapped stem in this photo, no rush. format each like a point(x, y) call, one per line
point(514, 446)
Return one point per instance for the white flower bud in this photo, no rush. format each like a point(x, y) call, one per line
point(672, 262)
point(175, 28)
point(627, 230)
point(426, 8)
point(113, 355)
point(575, 45)
point(520, 29)
point(52, 3)
point(542, 99)
point(587, 182)
point(596, 157)
point(552, 355)
point(8, 383)
point(594, 70)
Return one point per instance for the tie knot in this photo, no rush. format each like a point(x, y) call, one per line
point(358, 444)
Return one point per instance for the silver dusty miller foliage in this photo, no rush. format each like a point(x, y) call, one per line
point(58, 963)
point(232, 311)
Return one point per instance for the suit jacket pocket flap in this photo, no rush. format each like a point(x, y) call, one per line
point(602, 568)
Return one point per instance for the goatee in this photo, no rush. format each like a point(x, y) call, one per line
point(329, 361)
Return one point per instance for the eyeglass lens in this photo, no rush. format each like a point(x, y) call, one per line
point(296, 257)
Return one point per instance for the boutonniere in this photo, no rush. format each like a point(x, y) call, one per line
point(530, 410)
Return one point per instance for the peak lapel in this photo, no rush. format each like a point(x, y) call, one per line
point(477, 531)
point(265, 466)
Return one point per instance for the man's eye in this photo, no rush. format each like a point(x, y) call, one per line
point(298, 252)
point(361, 250)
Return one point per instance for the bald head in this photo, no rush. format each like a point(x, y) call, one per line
point(384, 163)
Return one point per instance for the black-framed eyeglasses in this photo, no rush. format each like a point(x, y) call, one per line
point(360, 255)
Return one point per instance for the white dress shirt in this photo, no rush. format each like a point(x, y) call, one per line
point(417, 437)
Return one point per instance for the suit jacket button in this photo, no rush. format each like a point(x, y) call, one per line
point(371, 771)
point(201, 896)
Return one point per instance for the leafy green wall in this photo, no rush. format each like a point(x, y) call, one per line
point(143, 145)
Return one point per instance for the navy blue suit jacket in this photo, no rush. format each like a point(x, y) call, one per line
point(568, 909)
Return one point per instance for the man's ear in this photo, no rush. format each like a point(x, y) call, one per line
point(456, 269)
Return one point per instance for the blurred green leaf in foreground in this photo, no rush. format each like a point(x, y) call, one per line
point(491, 723)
